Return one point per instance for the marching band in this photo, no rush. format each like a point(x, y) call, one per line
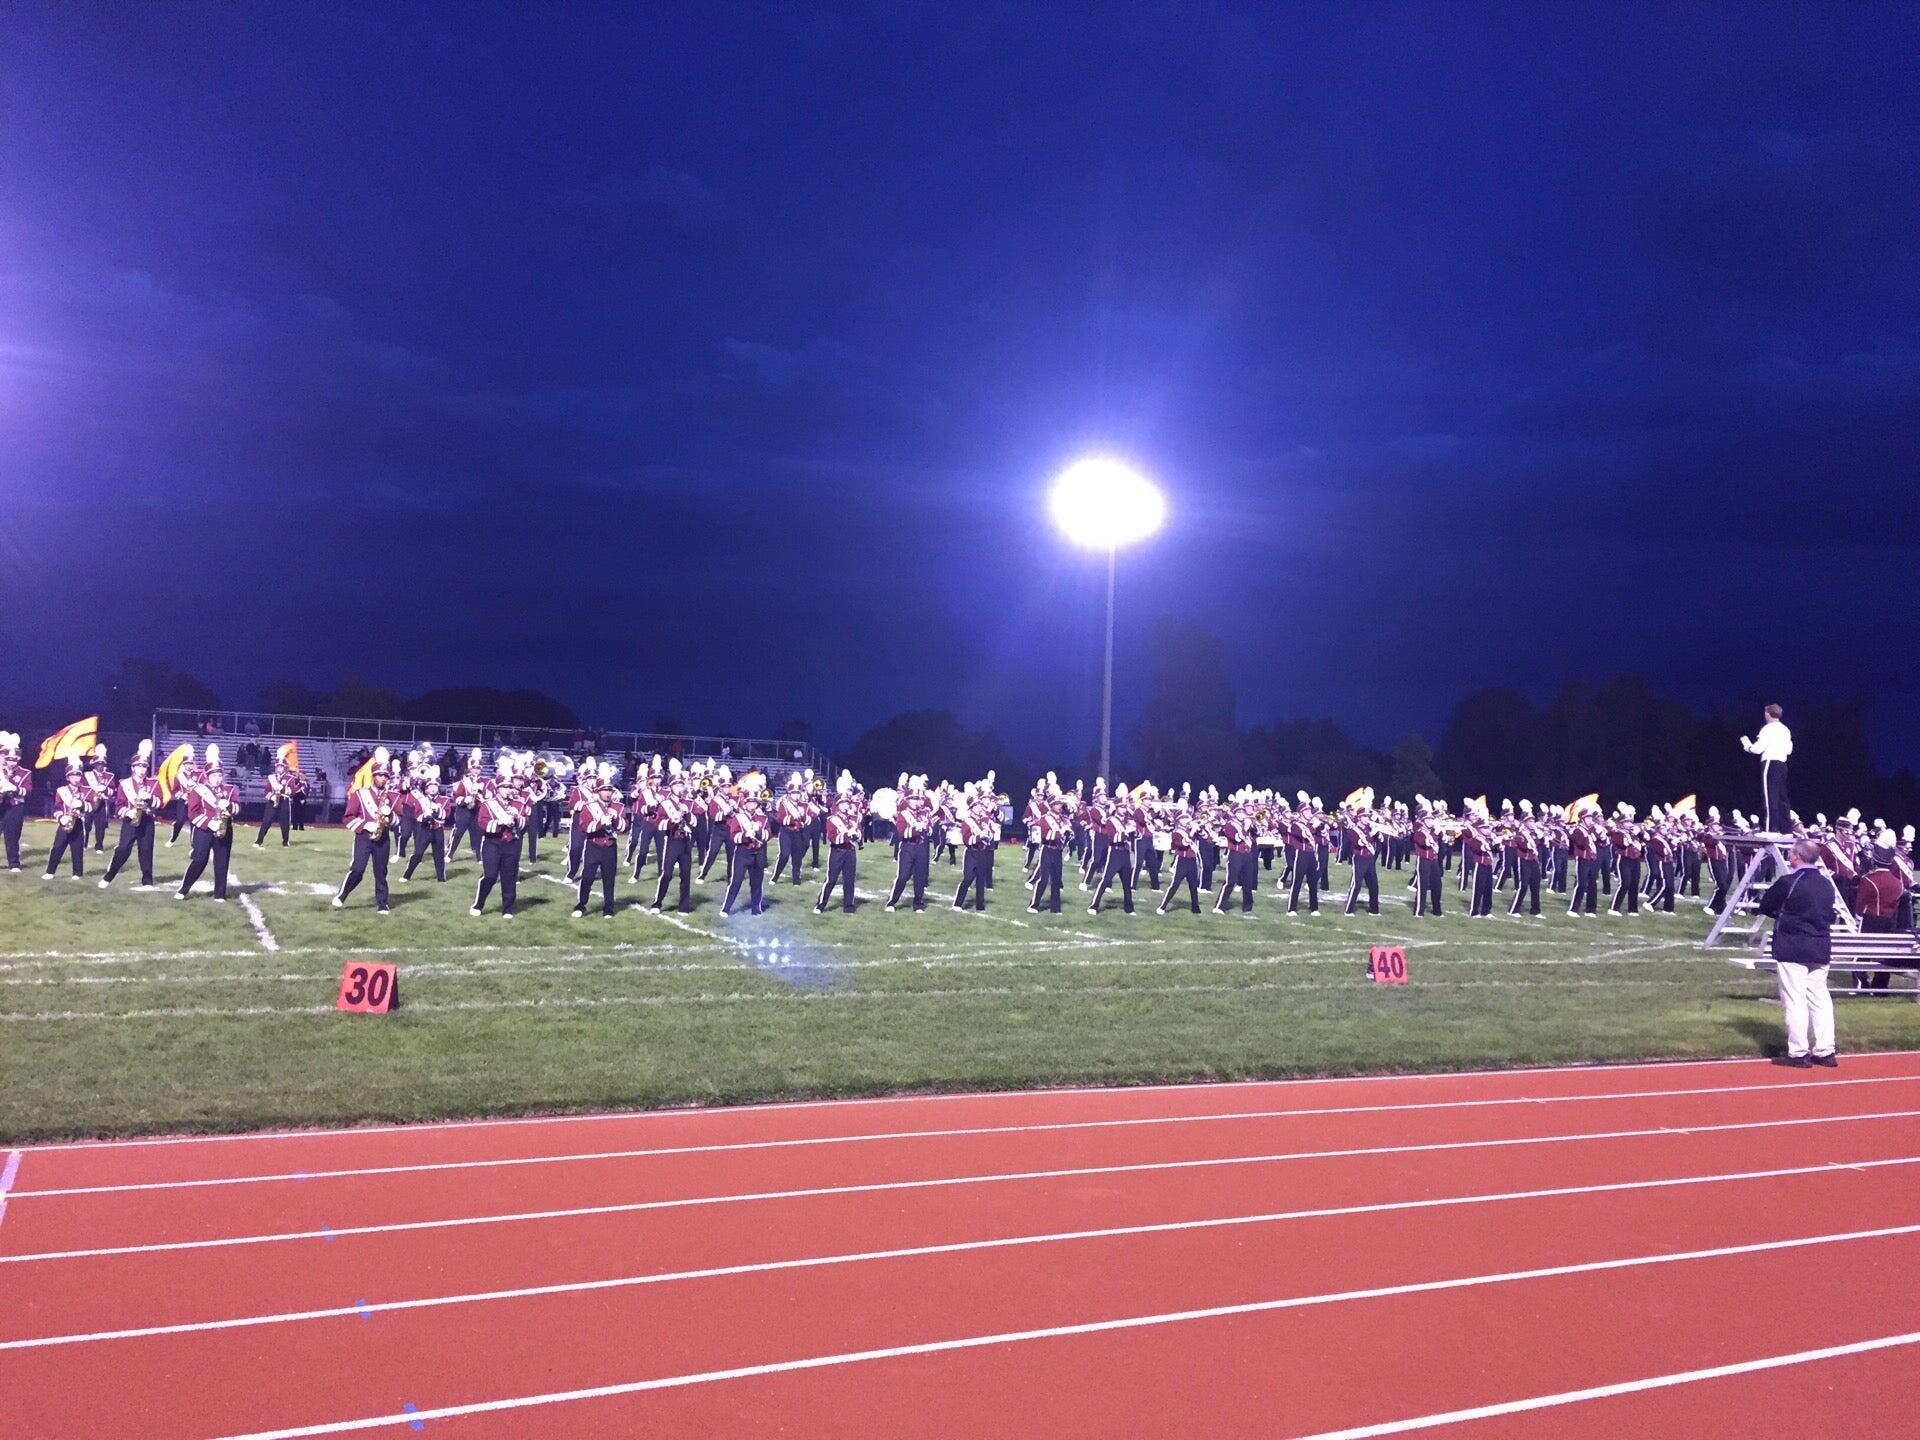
point(679, 816)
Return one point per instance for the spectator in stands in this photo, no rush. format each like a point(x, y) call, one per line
point(1801, 905)
point(1876, 900)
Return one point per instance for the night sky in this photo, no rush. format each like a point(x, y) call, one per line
point(713, 359)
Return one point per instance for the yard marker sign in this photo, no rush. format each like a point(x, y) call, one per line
point(1387, 965)
point(368, 989)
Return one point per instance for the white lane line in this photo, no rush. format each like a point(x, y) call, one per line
point(685, 1112)
point(813, 1262)
point(877, 1136)
point(937, 1183)
point(1090, 1327)
point(1624, 1387)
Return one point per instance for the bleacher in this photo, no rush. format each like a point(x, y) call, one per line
point(334, 745)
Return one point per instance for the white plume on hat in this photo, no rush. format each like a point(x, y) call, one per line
point(145, 750)
point(213, 754)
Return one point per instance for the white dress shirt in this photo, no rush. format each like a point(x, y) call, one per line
point(1774, 742)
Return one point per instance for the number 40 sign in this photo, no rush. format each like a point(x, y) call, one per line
point(1387, 965)
point(368, 989)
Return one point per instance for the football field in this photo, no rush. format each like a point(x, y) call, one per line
point(125, 1011)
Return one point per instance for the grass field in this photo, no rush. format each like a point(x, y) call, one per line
point(123, 1012)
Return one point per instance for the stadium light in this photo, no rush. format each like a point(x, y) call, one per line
point(1103, 503)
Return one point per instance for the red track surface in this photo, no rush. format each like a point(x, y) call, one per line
point(1468, 1255)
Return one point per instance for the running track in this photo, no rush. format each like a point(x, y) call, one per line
point(1709, 1250)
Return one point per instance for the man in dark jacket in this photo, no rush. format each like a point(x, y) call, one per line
point(1801, 903)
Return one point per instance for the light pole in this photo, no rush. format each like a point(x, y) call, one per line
point(1103, 504)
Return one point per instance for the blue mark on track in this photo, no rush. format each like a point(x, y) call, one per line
point(410, 1409)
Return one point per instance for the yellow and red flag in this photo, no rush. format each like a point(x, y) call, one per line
point(1573, 810)
point(167, 777)
point(362, 776)
point(1358, 797)
point(74, 742)
point(1686, 805)
point(290, 754)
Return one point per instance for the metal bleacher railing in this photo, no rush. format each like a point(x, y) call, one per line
point(327, 743)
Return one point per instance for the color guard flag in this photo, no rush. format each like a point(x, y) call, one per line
point(362, 776)
point(290, 754)
point(1686, 805)
point(1356, 798)
point(1573, 810)
point(75, 742)
point(167, 777)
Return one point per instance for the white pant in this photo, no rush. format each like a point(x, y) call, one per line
point(1803, 995)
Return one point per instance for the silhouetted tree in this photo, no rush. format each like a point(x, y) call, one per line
point(1187, 731)
point(1490, 746)
point(1413, 773)
point(930, 742)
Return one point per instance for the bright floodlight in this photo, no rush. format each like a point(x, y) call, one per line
point(1104, 504)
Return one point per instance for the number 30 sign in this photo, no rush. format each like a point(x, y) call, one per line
point(367, 989)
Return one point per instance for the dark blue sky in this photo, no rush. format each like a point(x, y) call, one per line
point(712, 359)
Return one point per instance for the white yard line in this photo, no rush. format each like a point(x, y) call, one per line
point(1044, 1127)
point(1138, 1322)
point(958, 1247)
point(827, 997)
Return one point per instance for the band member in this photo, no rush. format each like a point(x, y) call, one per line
point(1303, 845)
point(601, 817)
point(1051, 826)
point(192, 772)
point(277, 807)
point(914, 818)
point(1239, 832)
point(1477, 855)
point(1627, 846)
point(844, 824)
point(466, 807)
point(16, 784)
point(1118, 823)
point(211, 805)
point(369, 818)
point(678, 804)
point(1357, 834)
point(1183, 845)
point(429, 807)
point(718, 803)
point(1773, 745)
point(101, 781)
point(791, 813)
point(136, 798)
point(72, 816)
point(748, 824)
point(1524, 848)
point(498, 817)
point(979, 816)
point(1430, 838)
point(1719, 860)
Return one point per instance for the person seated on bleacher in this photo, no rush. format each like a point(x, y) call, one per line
point(1876, 900)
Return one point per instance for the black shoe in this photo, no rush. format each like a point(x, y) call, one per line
point(1829, 1062)
point(1793, 1062)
